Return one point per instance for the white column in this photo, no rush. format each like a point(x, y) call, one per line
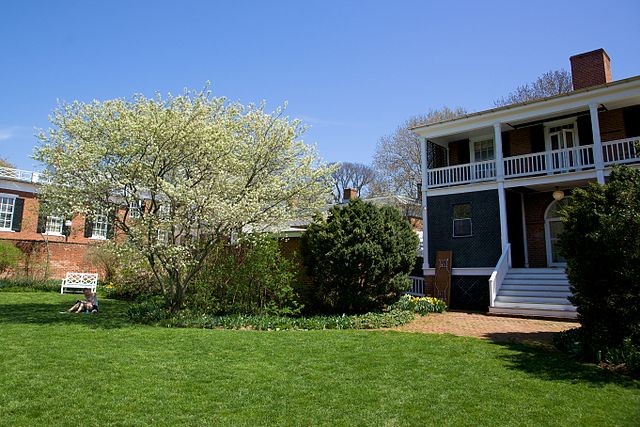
point(425, 225)
point(497, 131)
point(502, 201)
point(597, 143)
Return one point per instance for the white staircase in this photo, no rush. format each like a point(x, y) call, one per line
point(539, 292)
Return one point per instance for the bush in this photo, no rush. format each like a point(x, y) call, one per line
point(420, 305)
point(10, 256)
point(26, 284)
point(573, 342)
point(251, 277)
point(129, 275)
point(601, 242)
point(359, 258)
point(154, 313)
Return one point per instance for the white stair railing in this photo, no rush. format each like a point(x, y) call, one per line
point(498, 275)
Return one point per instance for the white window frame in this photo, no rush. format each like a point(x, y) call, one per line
point(13, 197)
point(134, 209)
point(97, 232)
point(472, 147)
point(49, 220)
point(454, 219)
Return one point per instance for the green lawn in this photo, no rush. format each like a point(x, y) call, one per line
point(65, 369)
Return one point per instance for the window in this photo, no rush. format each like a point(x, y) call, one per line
point(100, 226)
point(553, 228)
point(135, 208)
point(462, 220)
point(54, 225)
point(7, 205)
point(483, 150)
point(163, 236)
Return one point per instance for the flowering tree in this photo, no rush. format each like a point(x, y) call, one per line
point(179, 174)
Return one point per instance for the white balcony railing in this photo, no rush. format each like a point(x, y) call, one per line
point(462, 174)
point(22, 175)
point(552, 162)
point(621, 151)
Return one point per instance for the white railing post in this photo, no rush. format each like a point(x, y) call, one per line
point(597, 143)
point(498, 275)
point(425, 216)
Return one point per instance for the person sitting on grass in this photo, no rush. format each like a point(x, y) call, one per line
point(90, 305)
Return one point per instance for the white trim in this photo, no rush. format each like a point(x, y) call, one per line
point(11, 196)
point(463, 271)
point(569, 104)
point(598, 158)
point(425, 215)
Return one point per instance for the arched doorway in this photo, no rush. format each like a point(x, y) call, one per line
point(553, 227)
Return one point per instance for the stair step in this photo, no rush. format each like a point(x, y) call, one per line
point(527, 299)
point(534, 281)
point(547, 287)
point(534, 313)
point(535, 306)
point(537, 270)
point(553, 293)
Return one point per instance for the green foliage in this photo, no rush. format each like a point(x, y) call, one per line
point(420, 305)
point(204, 168)
point(128, 274)
point(153, 313)
point(251, 277)
point(601, 242)
point(574, 341)
point(360, 257)
point(23, 284)
point(10, 256)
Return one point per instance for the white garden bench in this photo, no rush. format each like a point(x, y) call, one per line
point(80, 281)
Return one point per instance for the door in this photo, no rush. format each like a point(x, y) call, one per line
point(562, 141)
point(553, 228)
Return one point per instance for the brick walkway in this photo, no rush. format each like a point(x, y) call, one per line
point(495, 328)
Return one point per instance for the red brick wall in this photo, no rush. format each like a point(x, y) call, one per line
point(29, 229)
point(53, 260)
point(590, 69)
point(519, 142)
point(535, 204)
point(52, 255)
point(612, 125)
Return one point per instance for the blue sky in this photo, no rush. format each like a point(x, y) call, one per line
point(352, 70)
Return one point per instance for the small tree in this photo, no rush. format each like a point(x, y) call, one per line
point(548, 84)
point(360, 257)
point(188, 172)
point(397, 159)
point(601, 242)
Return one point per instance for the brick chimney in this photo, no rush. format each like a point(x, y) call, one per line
point(590, 69)
point(349, 194)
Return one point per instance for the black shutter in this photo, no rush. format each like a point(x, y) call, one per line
point(585, 134)
point(111, 219)
point(88, 227)
point(42, 223)
point(18, 209)
point(537, 139)
point(66, 229)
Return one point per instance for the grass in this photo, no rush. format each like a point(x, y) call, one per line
point(65, 369)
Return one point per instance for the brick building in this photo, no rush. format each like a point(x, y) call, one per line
point(495, 179)
point(52, 245)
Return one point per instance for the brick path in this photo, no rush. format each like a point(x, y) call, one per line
point(495, 328)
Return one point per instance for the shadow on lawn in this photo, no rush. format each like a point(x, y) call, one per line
point(112, 314)
point(544, 362)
